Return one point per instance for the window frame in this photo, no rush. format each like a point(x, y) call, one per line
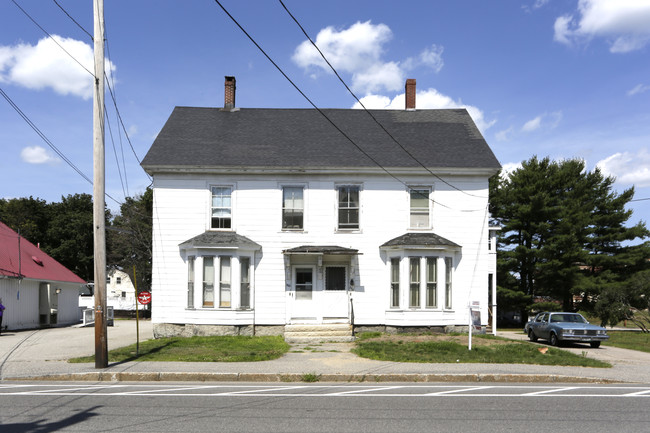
point(415, 285)
point(284, 209)
point(244, 301)
point(212, 208)
point(431, 284)
point(348, 227)
point(449, 271)
point(225, 286)
point(419, 210)
point(191, 278)
point(207, 287)
point(395, 263)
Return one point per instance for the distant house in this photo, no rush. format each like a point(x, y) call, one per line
point(120, 292)
point(268, 218)
point(36, 290)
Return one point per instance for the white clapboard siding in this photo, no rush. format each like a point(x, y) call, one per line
point(182, 207)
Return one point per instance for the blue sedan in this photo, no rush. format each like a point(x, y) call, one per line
point(559, 327)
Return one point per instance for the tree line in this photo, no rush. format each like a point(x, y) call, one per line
point(566, 242)
point(64, 230)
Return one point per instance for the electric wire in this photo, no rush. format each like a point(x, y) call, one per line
point(325, 115)
point(367, 111)
point(117, 161)
point(47, 140)
point(51, 37)
point(73, 20)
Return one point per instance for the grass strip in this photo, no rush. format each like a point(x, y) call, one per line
point(200, 349)
point(634, 340)
point(452, 352)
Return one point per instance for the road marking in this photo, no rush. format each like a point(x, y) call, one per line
point(382, 388)
point(548, 391)
point(343, 390)
point(458, 390)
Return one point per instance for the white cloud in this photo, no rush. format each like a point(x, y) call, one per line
point(628, 168)
point(427, 99)
point(505, 134)
point(430, 57)
point(536, 5)
point(639, 88)
point(133, 130)
point(532, 124)
point(359, 50)
point(38, 155)
point(625, 24)
point(508, 168)
point(46, 65)
point(546, 120)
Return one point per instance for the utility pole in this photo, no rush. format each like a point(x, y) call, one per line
point(99, 224)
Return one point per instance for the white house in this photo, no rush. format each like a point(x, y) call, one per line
point(120, 292)
point(36, 290)
point(265, 218)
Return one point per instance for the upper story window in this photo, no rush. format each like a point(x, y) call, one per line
point(221, 207)
point(118, 280)
point(419, 208)
point(348, 202)
point(293, 207)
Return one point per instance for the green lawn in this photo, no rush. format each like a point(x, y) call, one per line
point(634, 340)
point(200, 349)
point(500, 352)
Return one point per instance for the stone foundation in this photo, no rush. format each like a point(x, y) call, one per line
point(162, 330)
point(462, 329)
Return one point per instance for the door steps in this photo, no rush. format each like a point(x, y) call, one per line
point(331, 332)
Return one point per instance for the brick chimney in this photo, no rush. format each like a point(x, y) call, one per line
point(229, 93)
point(410, 94)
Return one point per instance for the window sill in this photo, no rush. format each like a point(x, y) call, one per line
point(293, 231)
point(340, 231)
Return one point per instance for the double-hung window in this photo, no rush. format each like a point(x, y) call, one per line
point(293, 207)
point(348, 204)
point(414, 287)
point(190, 282)
point(448, 287)
point(224, 282)
point(394, 282)
point(245, 283)
point(208, 281)
point(432, 282)
point(221, 207)
point(419, 208)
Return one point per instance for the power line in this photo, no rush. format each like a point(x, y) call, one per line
point(51, 37)
point(325, 115)
point(367, 111)
point(47, 140)
point(73, 20)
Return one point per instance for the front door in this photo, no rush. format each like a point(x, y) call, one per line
point(302, 297)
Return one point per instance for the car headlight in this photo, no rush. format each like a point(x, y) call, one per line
point(603, 332)
point(567, 332)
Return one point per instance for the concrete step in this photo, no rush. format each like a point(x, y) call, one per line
point(306, 333)
point(319, 339)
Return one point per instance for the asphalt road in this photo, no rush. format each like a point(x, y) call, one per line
point(306, 408)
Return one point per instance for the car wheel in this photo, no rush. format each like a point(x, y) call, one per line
point(531, 335)
point(553, 339)
point(595, 344)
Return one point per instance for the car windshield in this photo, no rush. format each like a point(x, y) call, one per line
point(572, 318)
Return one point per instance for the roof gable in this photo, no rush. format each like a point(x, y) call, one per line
point(29, 261)
point(286, 138)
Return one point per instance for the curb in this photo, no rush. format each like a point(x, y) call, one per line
point(296, 377)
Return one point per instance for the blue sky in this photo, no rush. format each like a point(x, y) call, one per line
point(557, 78)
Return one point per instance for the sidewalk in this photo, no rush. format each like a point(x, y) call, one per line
point(41, 354)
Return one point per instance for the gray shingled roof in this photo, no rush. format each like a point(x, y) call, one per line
point(321, 249)
point(420, 240)
point(279, 138)
point(216, 239)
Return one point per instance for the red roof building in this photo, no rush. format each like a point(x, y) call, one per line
point(35, 289)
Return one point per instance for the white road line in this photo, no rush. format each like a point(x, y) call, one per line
point(638, 394)
point(382, 388)
point(452, 391)
point(548, 391)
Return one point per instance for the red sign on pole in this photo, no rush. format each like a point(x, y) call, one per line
point(144, 297)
